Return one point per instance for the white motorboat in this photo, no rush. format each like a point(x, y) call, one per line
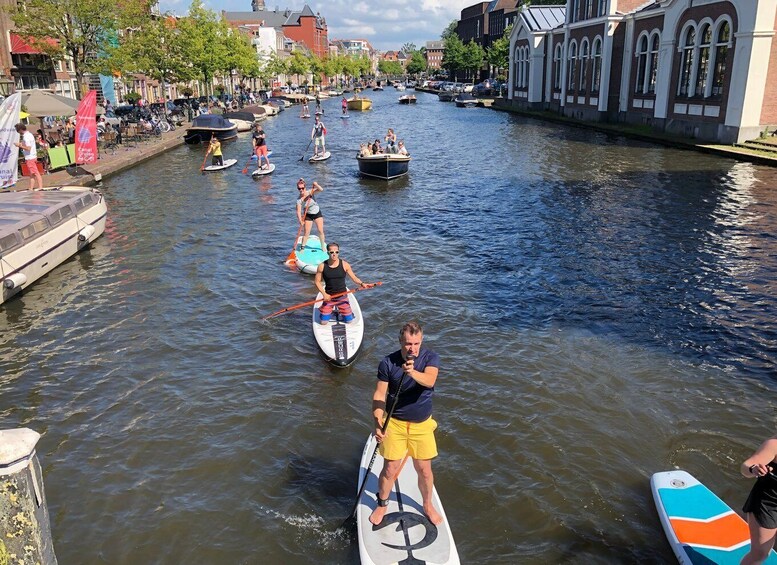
point(40, 230)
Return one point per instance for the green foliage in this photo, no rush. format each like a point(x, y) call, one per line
point(298, 64)
point(219, 89)
point(450, 30)
point(416, 64)
point(392, 68)
point(81, 28)
point(453, 57)
point(409, 48)
point(498, 54)
point(187, 91)
point(132, 97)
point(473, 57)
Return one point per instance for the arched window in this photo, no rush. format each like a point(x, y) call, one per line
point(686, 62)
point(705, 36)
point(557, 68)
point(517, 67)
point(583, 65)
point(722, 44)
point(653, 73)
point(571, 66)
point(520, 67)
point(526, 68)
point(642, 58)
point(596, 59)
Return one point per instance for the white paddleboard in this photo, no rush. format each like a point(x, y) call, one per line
point(320, 157)
point(309, 258)
point(254, 157)
point(228, 163)
point(405, 535)
point(267, 171)
point(304, 117)
point(345, 116)
point(319, 113)
point(700, 527)
point(338, 341)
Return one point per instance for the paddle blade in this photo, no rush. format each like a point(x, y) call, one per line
point(292, 258)
point(349, 524)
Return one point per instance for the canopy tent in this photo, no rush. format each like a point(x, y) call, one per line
point(41, 103)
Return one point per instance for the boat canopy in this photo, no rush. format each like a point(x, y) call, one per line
point(245, 116)
point(212, 121)
point(26, 215)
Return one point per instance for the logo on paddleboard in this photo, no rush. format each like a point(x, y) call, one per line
point(405, 521)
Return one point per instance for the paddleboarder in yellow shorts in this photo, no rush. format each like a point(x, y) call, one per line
point(411, 426)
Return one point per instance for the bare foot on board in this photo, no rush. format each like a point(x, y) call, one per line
point(432, 514)
point(377, 515)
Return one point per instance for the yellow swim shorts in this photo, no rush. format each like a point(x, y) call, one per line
point(413, 438)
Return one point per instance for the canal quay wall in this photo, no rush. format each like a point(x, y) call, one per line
point(110, 161)
point(760, 151)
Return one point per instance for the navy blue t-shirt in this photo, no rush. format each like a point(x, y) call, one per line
point(415, 400)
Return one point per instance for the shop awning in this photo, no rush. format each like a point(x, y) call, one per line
point(20, 47)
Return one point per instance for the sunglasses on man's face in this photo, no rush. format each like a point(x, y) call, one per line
point(333, 252)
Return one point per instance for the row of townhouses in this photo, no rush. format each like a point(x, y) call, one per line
point(704, 69)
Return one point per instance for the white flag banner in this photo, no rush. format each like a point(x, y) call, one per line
point(9, 153)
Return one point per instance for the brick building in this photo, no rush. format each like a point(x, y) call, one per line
point(698, 69)
point(434, 53)
point(301, 26)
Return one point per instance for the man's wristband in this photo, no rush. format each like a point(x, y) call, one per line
point(751, 469)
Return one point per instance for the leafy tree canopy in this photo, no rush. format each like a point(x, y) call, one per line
point(498, 53)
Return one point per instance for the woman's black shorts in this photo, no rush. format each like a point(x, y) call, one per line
point(311, 217)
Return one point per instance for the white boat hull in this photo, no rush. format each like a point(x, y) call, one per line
point(24, 265)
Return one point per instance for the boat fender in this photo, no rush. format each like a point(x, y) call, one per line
point(86, 233)
point(15, 280)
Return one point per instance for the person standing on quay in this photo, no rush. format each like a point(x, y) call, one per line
point(761, 506)
point(411, 428)
point(27, 145)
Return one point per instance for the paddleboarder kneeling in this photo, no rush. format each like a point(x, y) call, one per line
point(411, 428)
point(332, 273)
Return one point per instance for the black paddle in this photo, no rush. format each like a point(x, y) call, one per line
point(306, 150)
point(350, 521)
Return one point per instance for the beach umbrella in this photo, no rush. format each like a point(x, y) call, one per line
point(44, 103)
point(23, 115)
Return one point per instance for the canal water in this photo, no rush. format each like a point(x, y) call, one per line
point(603, 308)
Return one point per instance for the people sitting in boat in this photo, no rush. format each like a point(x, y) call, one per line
point(214, 147)
point(260, 146)
point(376, 148)
point(308, 211)
point(364, 150)
point(402, 150)
point(330, 281)
point(318, 136)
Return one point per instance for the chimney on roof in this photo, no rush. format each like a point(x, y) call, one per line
point(257, 5)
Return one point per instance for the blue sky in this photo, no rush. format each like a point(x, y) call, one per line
point(385, 24)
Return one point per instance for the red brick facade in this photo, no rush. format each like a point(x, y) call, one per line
point(769, 109)
point(308, 32)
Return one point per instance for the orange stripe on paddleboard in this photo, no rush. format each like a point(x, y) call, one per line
point(725, 532)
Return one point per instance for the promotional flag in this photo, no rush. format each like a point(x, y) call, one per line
point(86, 129)
point(9, 152)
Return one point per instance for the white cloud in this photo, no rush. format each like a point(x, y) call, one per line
point(388, 24)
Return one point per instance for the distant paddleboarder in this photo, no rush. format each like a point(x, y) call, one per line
point(259, 139)
point(215, 148)
point(318, 136)
point(344, 104)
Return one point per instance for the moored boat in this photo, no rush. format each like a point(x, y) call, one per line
point(465, 100)
point(446, 96)
point(42, 229)
point(208, 126)
point(361, 104)
point(385, 166)
point(339, 342)
point(243, 120)
point(407, 99)
point(377, 88)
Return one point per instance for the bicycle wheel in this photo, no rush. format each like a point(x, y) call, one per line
point(164, 126)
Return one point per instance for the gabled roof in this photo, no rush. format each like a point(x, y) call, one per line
point(306, 11)
point(543, 18)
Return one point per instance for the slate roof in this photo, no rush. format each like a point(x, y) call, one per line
point(544, 18)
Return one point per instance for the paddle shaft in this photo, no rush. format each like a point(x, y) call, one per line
point(306, 149)
point(207, 152)
point(303, 304)
point(245, 169)
point(375, 451)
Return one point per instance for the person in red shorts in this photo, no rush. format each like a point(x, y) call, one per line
point(330, 279)
point(27, 145)
point(260, 147)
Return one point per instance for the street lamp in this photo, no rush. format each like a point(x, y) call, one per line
point(7, 86)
